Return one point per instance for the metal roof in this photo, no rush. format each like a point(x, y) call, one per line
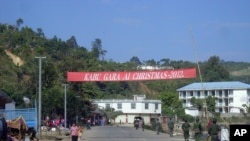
point(215, 86)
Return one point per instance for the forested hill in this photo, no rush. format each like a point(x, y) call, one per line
point(19, 47)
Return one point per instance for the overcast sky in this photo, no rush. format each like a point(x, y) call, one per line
point(148, 29)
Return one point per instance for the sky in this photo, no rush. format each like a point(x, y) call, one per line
point(188, 30)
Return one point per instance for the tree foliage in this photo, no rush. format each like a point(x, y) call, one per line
point(198, 103)
point(211, 104)
point(213, 71)
point(171, 105)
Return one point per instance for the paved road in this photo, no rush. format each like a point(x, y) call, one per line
point(125, 133)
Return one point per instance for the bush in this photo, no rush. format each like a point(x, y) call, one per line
point(189, 118)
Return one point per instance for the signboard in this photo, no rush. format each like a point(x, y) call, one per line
point(131, 75)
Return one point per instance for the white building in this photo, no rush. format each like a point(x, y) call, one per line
point(139, 106)
point(230, 95)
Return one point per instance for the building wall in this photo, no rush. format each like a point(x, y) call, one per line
point(226, 99)
point(239, 98)
point(153, 109)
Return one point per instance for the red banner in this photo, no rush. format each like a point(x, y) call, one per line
point(131, 76)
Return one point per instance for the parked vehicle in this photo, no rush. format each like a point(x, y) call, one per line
point(136, 121)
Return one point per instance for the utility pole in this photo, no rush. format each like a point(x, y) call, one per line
point(40, 95)
point(202, 86)
point(65, 105)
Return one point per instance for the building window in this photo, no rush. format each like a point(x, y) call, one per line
point(220, 110)
point(146, 105)
point(156, 106)
point(184, 94)
point(226, 93)
point(133, 105)
point(191, 93)
point(184, 101)
point(220, 93)
point(198, 93)
point(206, 93)
point(213, 93)
point(119, 106)
point(231, 100)
point(107, 105)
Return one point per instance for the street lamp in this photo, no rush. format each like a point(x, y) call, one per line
point(65, 105)
point(77, 109)
point(40, 95)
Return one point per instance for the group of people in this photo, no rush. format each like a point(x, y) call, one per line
point(213, 130)
point(76, 132)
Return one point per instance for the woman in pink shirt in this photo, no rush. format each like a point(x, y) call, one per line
point(74, 132)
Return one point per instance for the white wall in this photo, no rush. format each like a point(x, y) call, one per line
point(140, 107)
point(192, 112)
point(129, 113)
point(239, 98)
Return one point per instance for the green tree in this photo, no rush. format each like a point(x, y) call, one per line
point(211, 104)
point(213, 71)
point(247, 108)
point(112, 114)
point(135, 60)
point(71, 42)
point(19, 22)
point(198, 103)
point(97, 50)
point(171, 105)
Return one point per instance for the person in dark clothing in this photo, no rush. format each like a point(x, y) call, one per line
point(136, 124)
point(3, 129)
point(185, 128)
point(197, 129)
point(171, 127)
point(142, 125)
point(157, 126)
point(214, 130)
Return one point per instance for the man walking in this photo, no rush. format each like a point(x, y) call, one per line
point(185, 129)
point(214, 130)
point(171, 127)
point(157, 126)
point(197, 129)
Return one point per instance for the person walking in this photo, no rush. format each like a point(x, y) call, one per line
point(157, 126)
point(3, 128)
point(74, 132)
point(185, 128)
point(171, 127)
point(210, 122)
point(80, 132)
point(197, 130)
point(142, 124)
point(88, 124)
point(214, 130)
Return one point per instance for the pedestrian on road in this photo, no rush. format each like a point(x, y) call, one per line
point(214, 130)
point(197, 130)
point(171, 127)
point(185, 128)
point(142, 125)
point(80, 132)
point(157, 126)
point(74, 132)
point(88, 124)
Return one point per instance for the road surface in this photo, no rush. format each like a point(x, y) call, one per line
point(125, 133)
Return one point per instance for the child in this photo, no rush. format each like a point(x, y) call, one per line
point(80, 132)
